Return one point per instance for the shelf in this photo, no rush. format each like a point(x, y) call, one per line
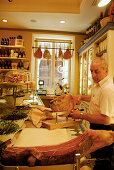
point(12, 46)
point(103, 30)
point(10, 70)
point(9, 85)
point(12, 58)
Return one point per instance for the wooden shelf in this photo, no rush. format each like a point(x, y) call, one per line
point(97, 35)
point(12, 46)
point(12, 58)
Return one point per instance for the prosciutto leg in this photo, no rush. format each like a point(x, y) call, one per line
point(63, 103)
point(88, 142)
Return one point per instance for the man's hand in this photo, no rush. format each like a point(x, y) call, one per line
point(75, 114)
point(77, 99)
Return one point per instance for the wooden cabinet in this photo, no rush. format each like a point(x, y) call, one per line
point(85, 75)
point(100, 45)
point(11, 57)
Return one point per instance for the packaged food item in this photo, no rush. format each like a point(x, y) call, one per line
point(17, 76)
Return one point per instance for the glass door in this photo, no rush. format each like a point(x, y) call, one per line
point(89, 81)
point(85, 84)
point(81, 70)
point(84, 74)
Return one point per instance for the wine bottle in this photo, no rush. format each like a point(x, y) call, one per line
point(0, 53)
point(2, 42)
point(0, 64)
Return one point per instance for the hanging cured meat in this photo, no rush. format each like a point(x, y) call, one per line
point(60, 55)
point(55, 60)
point(38, 53)
point(47, 55)
point(67, 54)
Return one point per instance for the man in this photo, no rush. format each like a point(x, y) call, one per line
point(101, 108)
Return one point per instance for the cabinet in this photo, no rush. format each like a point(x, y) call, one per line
point(11, 57)
point(100, 45)
point(85, 75)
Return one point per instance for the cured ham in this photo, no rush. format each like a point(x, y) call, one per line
point(63, 103)
point(37, 114)
point(47, 55)
point(60, 55)
point(38, 53)
point(63, 153)
point(67, 54)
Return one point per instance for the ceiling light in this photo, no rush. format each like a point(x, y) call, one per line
point(4, 20)
point(33, 20)
point(103, 3)
point(62, 21)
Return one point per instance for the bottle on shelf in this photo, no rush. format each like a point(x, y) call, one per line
point(19, 65)
point(19, 54)
point(10, 64)
point(6, 55)
point(10, 41)
point(22, 66)
point(2, 42)
point(14, 41)
point(7, 42)
point(16, 54)
point(23, 54)
point(0, 53)
point(3, 53)
point(9, 53)
point(0, 64)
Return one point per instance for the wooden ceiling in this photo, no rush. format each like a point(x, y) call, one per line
point(45, 6)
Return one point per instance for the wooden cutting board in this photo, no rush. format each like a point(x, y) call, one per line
point(41, 137)
point(61, 123)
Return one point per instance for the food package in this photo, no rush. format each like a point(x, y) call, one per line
point(18, 76)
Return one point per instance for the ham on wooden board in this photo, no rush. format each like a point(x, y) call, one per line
point(64, 153)
point(63, 103)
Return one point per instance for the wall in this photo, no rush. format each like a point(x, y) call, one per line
point(27, 36)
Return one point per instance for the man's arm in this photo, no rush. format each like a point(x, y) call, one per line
point(78, 99)
point(92, 118)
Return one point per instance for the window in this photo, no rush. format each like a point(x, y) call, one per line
point(54, 70)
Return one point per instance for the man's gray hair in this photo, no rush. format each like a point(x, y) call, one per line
point(103, 61)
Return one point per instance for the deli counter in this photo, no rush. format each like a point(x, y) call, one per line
point(35, 132)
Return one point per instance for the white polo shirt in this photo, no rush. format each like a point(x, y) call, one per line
point(102, 98)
